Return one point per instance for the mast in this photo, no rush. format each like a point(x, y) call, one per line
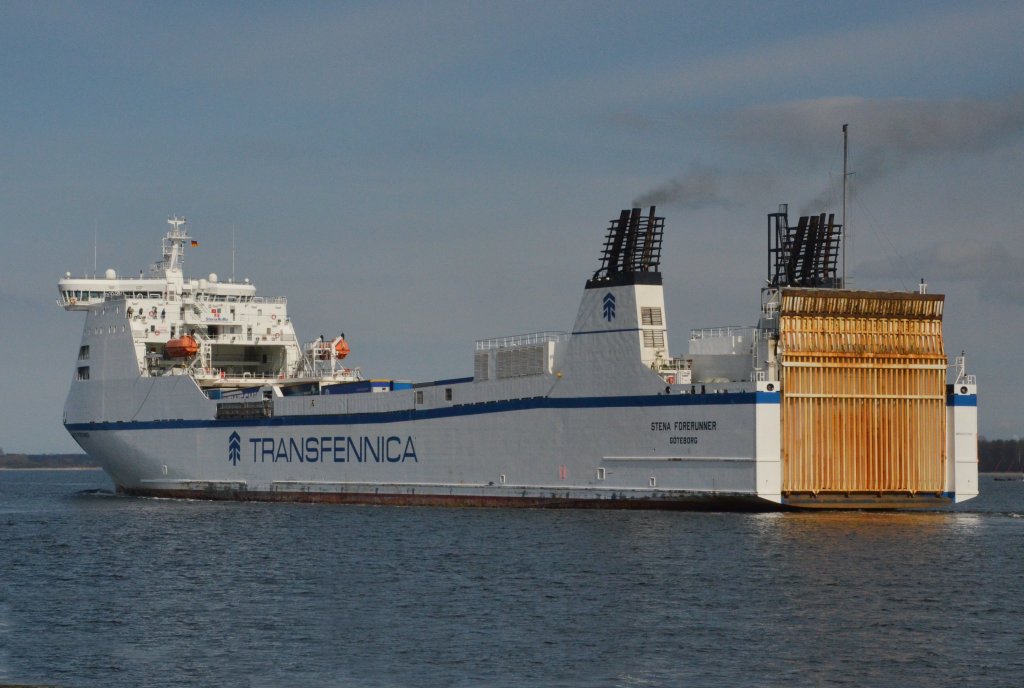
point(845, 237)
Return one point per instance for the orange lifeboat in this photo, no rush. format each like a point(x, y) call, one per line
point(183, 347)
point(341, 349)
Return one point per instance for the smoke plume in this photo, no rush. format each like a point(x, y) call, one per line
point(886, 135)
point(700, 187)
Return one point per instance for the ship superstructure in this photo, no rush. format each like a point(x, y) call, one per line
point(222, 335)
point(835, 398)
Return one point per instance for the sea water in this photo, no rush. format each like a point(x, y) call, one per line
point(103, 590)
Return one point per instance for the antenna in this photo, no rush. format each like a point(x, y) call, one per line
point(95, 241)
point(232, 253)
point(845, 232)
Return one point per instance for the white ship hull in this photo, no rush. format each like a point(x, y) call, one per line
point(692, 449)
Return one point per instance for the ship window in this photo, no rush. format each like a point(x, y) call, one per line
point(447, 393)
point(654, 339)
point(83, 373)
point(501, 478)
point(654, 481)
point(600, 473)
point(83, 352)
point(650, 316)
point(419, 396)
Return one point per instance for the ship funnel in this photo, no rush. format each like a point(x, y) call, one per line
point(621, 331)
point(632, 250)
point(806, 255)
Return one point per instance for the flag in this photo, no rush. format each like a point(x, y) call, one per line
point(194, 243)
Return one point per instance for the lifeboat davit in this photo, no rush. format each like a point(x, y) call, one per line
point(183, 347)
point(341, 349)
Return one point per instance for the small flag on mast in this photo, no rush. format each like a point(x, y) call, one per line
point(194, 243)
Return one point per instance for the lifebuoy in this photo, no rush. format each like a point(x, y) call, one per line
point(73, 300)
point(156, 332)
point(273, 316)
point(671, 379)
point(277, 335)
point(222, 375)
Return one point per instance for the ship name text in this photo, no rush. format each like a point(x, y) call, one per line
point(681, 425)
point(684, 426)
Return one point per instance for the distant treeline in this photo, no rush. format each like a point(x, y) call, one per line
point(1000, 456)
point(45, 461)
point(994, 456)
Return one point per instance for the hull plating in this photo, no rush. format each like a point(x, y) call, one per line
point(680, 452)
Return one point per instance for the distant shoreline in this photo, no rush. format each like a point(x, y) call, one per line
point(50, 468)
point(45, 461)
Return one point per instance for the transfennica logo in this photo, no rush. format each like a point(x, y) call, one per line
point(234, 448)
point(609, 306)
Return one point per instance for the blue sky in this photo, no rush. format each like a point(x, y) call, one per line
point(424, 175)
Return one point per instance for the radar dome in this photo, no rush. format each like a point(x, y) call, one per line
point(111, 273)
point(213, 278)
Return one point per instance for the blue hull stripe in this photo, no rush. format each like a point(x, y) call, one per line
point(962, 400)
point(728, 399)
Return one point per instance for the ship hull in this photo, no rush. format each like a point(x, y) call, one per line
point(664, 451)
point(675, 451)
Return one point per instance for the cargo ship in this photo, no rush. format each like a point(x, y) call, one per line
point(835, 398)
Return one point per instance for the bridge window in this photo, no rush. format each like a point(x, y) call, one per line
point(83, 352)
point(83, 373)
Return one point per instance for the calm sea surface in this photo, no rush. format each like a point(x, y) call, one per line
point(100, 590)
